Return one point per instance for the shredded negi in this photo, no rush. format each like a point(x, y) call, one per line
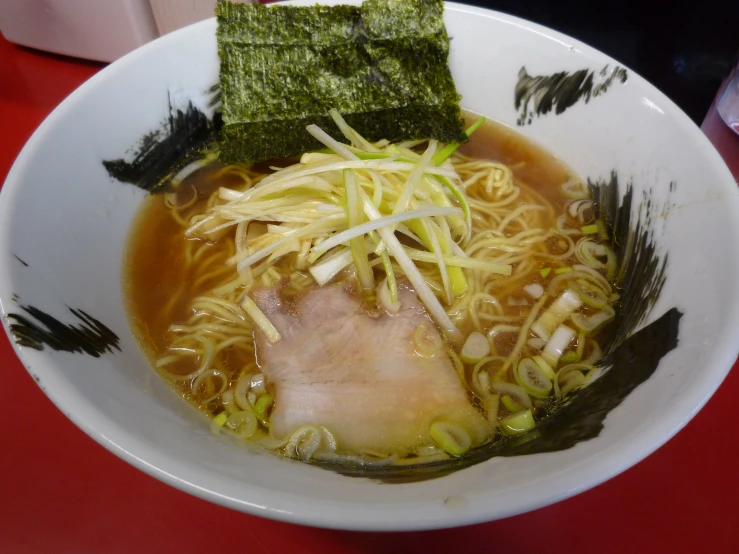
point(343, 206)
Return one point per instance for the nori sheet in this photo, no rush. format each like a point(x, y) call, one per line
point(383, 65)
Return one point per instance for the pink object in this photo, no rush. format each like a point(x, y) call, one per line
point(721, 124)
point(728, 104)
point(375, 396)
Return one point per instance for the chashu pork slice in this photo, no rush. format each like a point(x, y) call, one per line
point(359, 376)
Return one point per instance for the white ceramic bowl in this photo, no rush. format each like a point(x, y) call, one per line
point(68, 221)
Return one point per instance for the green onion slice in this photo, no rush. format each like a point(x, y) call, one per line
point(262, 406)
point(475, 348)
point(544, 366)
point(518, 423)
point(569, 378)
point(588, 324)
point(531, 377)
point(560, 309)
point(575, 189)
point(569, 357)
point(512, 396)
point(217, 422)
point(591, 254)
point(561, 339)
point(452, 438)
point(243, 423)
point(591, 294)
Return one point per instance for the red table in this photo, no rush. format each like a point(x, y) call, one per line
point(61, 492)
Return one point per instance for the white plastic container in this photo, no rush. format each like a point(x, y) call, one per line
point(171, 15)
point(101, 30)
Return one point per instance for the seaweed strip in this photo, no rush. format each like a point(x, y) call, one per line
point(383, 65)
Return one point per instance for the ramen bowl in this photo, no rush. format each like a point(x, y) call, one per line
point(64, 226)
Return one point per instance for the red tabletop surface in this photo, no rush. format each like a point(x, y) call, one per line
point(62, 492)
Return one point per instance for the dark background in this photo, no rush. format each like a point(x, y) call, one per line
point(683, 48)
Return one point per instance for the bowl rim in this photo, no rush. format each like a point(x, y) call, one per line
point(346, 515)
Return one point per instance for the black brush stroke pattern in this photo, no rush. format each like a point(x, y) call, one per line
point(537, 96)
point(89, 336)
point(161, 153)
point(642, 271)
